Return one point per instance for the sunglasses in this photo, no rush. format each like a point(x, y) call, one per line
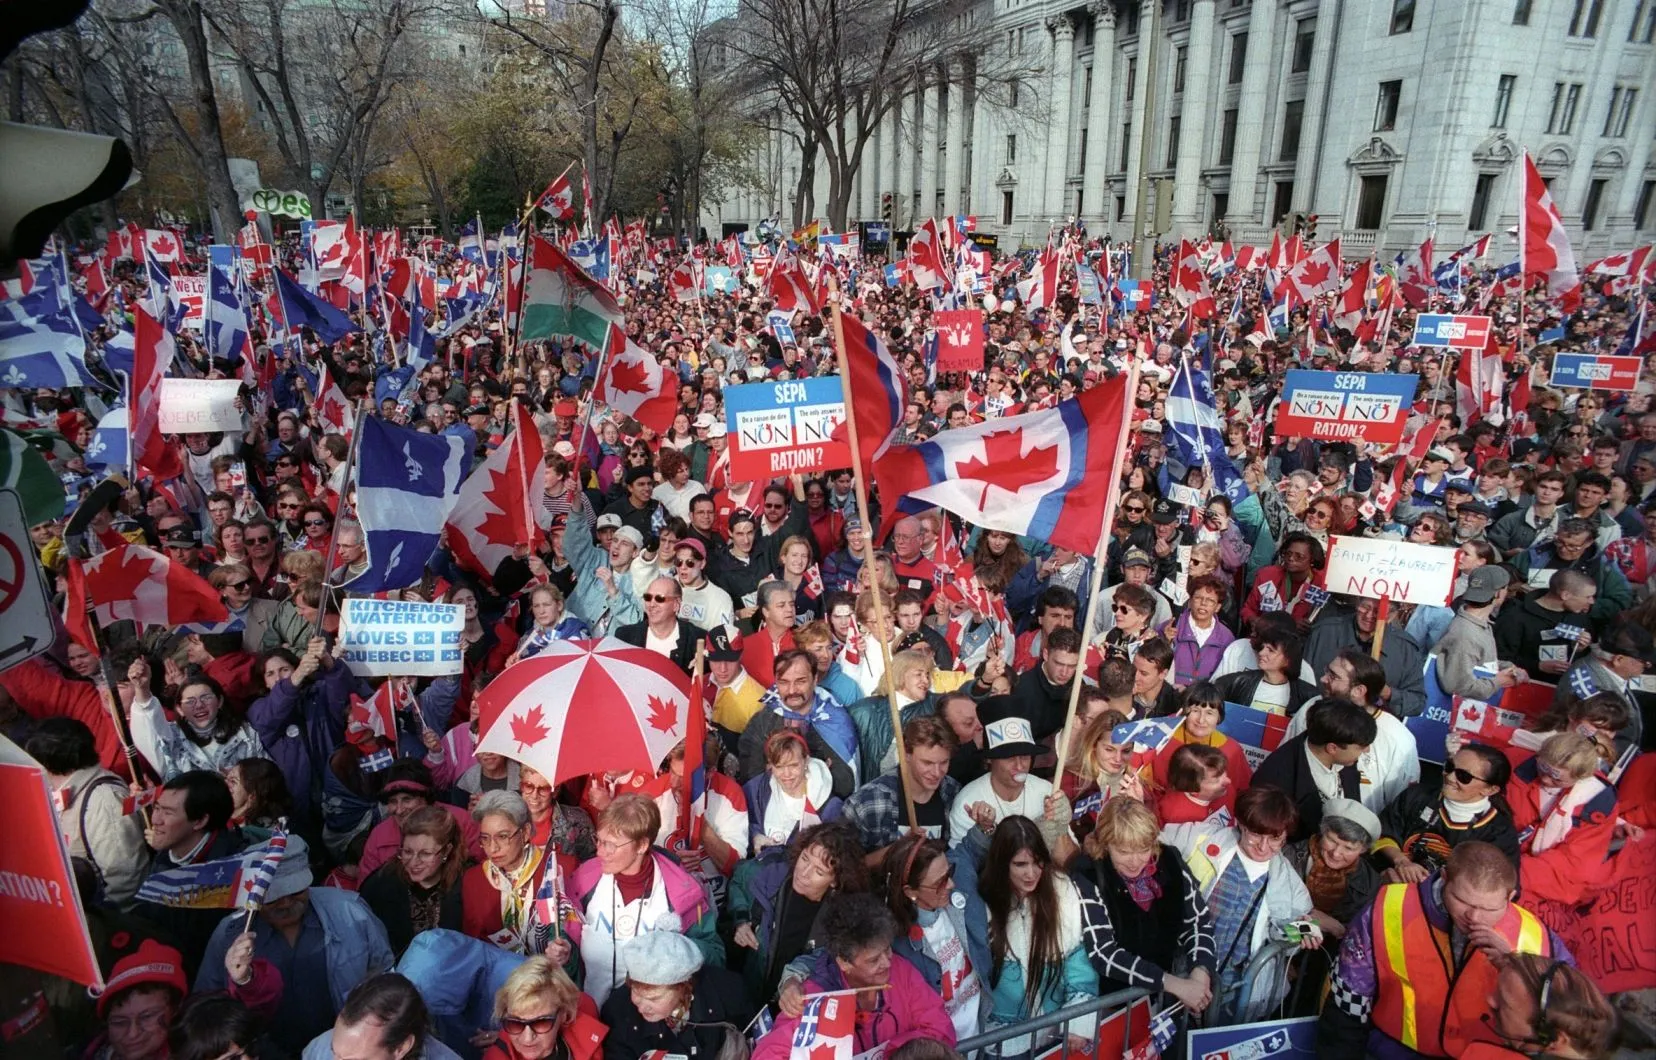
point(316, 522)
point(1121, 609)
point(1138, 509)
point(653, 598)
point(240, 587)
point(256, 540)
point(687, 561)
point(539, 1025)
point(1463, 776)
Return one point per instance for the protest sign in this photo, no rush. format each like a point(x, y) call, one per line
point(1087, 287)
point(786, 427)
point(1279, 1039)
point(1451, 331)
point(190, 292)
point(1349, 406)
point(1595, 371)
point(1189, 496)
point(1135, 295)
point(784, 334)
point(1614, 940)
point(190, 406)
point(384, 638)
point(1258, 731)
point(959, 340)
point(718, 279)
point(1407, 573)
point(39, 903)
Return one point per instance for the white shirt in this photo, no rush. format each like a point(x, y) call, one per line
point(1031, 804)
point(1327, 778)
point(664, 645)
point(707, 606)
point(1391, 763)
point(1273, 698)
point(960, 986)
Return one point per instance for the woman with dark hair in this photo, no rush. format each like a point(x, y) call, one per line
point(1133, 607)
point(316, 523)
point(1282, 585)
point(997, 559)
point(216, 1026)
point(1204, 712)
point(259, 792)
point(205, 736)
point(1037, 960)
point(1275, 685)
point(1420, 827)
point(777, 914)
point(420, 889)
point(942, 923)
point(300, 718)
point(1198, 787)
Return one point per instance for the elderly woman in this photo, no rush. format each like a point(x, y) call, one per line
point(910, 682)
point(205, 736)
point(1250, 888)
point(420, 890)
point(795, 791)
point(1420, 827)
point(498, 896)
point(1339, 877)
point(674, 1002)
point(942, 923)
point(779, 905)
point(1144, 916)
point(1204, 711)
point(1199, 638)
point(630, 889)
point(1565, 818)
point(544, 1016)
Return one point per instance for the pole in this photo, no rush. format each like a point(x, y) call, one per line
point(1380, 627)
point(1100, 557)
point(861, 489)
point(1144, 265)
point(363, 405)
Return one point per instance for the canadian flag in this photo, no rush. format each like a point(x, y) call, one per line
point(496, 509)
point(925, 257)
point(1415, 280)
point(788, 286)
point(682, 282)
point(1543, 245)
point(1250, 258)
point(1480, 380)
point(163, 245)
point(1276, 259)
point(1353, 302)
point(371, 723)
point(1317, 273)
point(1487, 722)
point(635, 383)
point(354, 276)
point(134, 583)
point(827, 1027)
point(333, 411)
point(559, 197)
point(1041, 288)
point(152, 356)
point(1190, 283)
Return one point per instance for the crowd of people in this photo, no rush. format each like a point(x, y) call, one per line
point(960, 880)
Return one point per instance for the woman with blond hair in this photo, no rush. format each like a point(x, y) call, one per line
point(1145, 919)
point(544, 1016)
point(1099, 769)
point(676, 1003)
point(1565, 818)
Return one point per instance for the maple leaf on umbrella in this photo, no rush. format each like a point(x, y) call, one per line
point(529, 728)
point(1004, 459)
point(117, 576)
point(662, 715)
point(629, 377)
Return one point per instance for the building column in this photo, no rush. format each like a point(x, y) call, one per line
point(1135, 134)
point(1187, 173)
point(1248, 155)
point(1057, 160)
point(954, 88)
point(980, 176)
point(868, 178)
point(890, 148)
point(1099, 119)
point(1316, 93)
point(931, 134)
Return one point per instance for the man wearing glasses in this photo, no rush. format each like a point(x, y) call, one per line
point(662, 630)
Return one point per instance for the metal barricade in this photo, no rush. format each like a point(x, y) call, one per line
point(1043, 1032)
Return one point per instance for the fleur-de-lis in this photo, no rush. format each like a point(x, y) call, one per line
point(14, 376)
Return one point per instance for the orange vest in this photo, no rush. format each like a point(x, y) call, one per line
point(1421, 1000)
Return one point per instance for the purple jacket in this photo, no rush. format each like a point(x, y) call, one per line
point(301, 727)
point(1192, 663)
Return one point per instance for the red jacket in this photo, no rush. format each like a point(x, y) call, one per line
point(42, 691)
point(583, 1036)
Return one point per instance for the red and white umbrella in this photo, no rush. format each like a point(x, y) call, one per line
point(584, 706)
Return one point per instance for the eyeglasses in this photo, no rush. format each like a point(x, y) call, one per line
point(773, 506)
point(657, 598)
point(1317, 514)
point(316, 522)
point(420, 855)
point(940, 884)
point(199, 701)
point(539, 790)
point(610, 846)
point(535, 1024)
point(239, 587)
point(687, 561)
point(1462, 776)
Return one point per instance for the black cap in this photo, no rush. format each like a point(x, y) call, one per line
point(1165, 513)
point(724, 644)
point(1006, 732)
point(636, 473)
point(1630, 639)
point(181, 535)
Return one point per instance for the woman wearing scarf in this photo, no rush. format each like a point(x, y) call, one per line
point(1565, 817)
point(498, 896)
point(1421, 826)
point(1204, 712)
point(675, 1003)
point(1339, 877)
point(205, 736)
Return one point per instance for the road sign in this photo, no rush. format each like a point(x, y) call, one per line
point(25, 605)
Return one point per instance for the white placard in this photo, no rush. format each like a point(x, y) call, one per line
point(1189, 496)
point(190, 406)
point(190, 292)
point(392, 638)
point(1407, 573)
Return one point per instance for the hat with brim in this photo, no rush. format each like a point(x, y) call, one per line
point(1484, 584)
point(1631, 640)
point(1006, 733)
point(1356, 813)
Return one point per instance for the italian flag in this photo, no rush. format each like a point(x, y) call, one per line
point(560, 301)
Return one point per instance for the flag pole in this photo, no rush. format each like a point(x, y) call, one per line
point(697, 695)
point(362, 407)
point(531, 524)
point(861, 488)
point(1100, 556)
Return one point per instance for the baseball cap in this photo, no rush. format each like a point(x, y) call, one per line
point(703, 421)
point(724, 644)
point(1136, 557)
point(1165, 513)
point(718, 430)
point(630, 533)
point(1437, 454)
point(1484, 584)
point(1476, 507)
point(181, 535)
point(566, 408)
point(564, 448)
point(608, 521)
point(1630, 639)
point(693, 544)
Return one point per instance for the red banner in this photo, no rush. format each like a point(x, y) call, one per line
point(1614, 940)
point(46, 928)
point(959, 340)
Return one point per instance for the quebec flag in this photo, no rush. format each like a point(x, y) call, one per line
point(593, 255)
point(407, 483)
point(108, 447)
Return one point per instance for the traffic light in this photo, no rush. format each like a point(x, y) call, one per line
point(1310, 227)
point(887, 206)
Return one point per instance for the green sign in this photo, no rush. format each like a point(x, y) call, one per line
point(286, 203)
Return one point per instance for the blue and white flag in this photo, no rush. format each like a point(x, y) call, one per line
point(593, 255)
point(469, 242)
point(1563, 631)
point(304, 309)
point(224, 319)
point(159, 301)
point(1582, 683)
point(407, 483)
point(41, 343)
point(108, 447)
point(460, 311)
point(1197, 432)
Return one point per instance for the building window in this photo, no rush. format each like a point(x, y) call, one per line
point(1121, 207)
point(1181, 10)
point(1521, 12)
point(1012, 92)
point(1595, 199)
point(1227, 138)
point(1126, 144)
point(1385, 106)
point(1173, 141)
point(1371, 204)
point(1584, 21)
point(1282, 201)
point(1179, 60)
point(1641, 210)
point(1132, 77)
point(1561, 118)
point(1011, 148)
point(1402, 20)
point(1081, 158)
point(1086, 88)
point(1620, 113)
point(1006, 207)
point(1221, 205)
point(1503, 100)
point(1080, 194)
point(1293, 116)
point(1239, 58)
point(1482, 192)
point(1643, 29)
point(1305, 34)
point(462, 51)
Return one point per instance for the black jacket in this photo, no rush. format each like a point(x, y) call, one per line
point(719, 1000)
point(1519, 629)
point(1040, 702)
point(683, 653)
point(387, 895)
point(1240, 687)
point(190, 929)
point(1287, 768)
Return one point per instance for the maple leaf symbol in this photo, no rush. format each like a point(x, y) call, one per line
point(629, 377)
point(163, 246)
point(502, 527)
point(825, 1051)
point(118, 574)
point(662, 715)
point(529, 729)
point(1313, 273)
point(1012, 468)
